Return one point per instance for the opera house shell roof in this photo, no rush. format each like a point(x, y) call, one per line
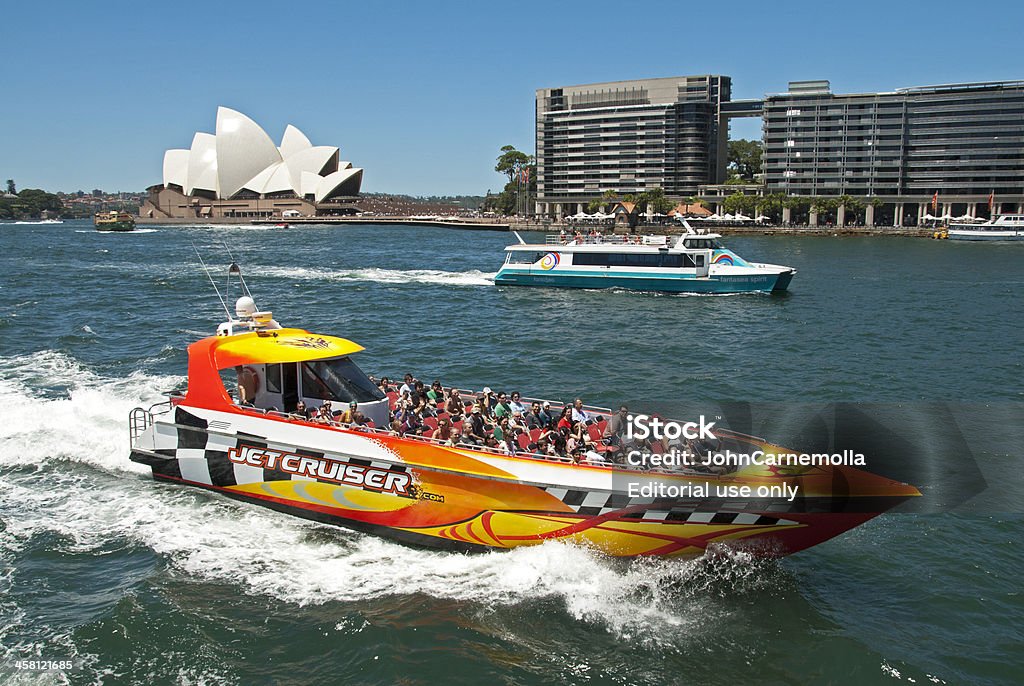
point(241, 160)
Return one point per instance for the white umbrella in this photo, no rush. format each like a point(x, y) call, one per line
point(741, 217)
point(714, 216)
point(929, 217)
point(762, 218)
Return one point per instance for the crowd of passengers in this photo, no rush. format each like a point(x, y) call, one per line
point(498, 421)
point(595, 236)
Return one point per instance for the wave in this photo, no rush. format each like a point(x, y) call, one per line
point(473, 277)
point(64, 471)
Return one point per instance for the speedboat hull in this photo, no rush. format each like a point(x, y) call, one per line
point(420, 492)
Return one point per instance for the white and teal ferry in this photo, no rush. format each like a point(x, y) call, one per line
point(694, 262)
point(1005, 227)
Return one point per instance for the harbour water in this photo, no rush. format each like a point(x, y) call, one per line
point(145, 583)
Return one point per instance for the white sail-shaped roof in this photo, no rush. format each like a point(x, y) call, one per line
point(241, 155)
point(243, 150)
point(202, 164)
point(175, 167)
point(273, 179)
point(293, 141)
point(332, 182)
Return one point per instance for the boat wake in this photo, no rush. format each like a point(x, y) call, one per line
point(471, 277)
point(65, 477)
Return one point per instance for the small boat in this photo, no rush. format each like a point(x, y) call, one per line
point(1005, 227)
point(283, 225)
point(260, 448)
point(695, 262)
point(114, 221)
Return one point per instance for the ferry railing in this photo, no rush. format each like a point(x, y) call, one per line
point(615, 239)
point(140, 419)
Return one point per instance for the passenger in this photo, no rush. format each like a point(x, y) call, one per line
point(578, 413)
point(436, 392)
point(247, 382)
point(543, 448)
point(349, 415)
point(565, 419)
point(488, 395)
point(484, 406)
point(516, 423)
point(536, 418)
point(562, 236)
point(302, 410)
point(501, 429)
point(501, 407)
point(443, 431)
point(384, 385)
point(547, 414)
point(419, 394)
point(407, 387)
point(468, 438)
point(454, 405)
point(615, 430)
point(516, 404)
point(477, 426)
point(325, 415)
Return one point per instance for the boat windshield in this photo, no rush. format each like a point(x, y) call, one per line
point(702, 243)
point(338, 380)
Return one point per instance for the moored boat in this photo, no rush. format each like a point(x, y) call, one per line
point(1006, 227)
point(261, 448)
point(114, 221)
point(695, 262)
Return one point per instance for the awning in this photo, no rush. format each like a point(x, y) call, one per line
point(280, 345)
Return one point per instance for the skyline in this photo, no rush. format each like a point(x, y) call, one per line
point(421, 97)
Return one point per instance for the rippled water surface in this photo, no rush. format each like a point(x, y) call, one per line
point(143, 583)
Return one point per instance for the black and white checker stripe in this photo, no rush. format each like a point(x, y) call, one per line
point(197, 455)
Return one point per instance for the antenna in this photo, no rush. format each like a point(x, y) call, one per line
point(235, 269)
point(212, 283)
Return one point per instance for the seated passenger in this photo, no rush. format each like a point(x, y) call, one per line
point(454, 405)
point(407, 387)
point(384, 385)
point(436, 392)
point(565, 419)
point(247, 382)
point(487, 396)
point(477, 426)
point(443, 431)
point(325, 415)
point(468, 438)
point(501, 407)
point(516, 423)
point(516, 404)
point(536, 418)
point(303, 411)
point(578, 413)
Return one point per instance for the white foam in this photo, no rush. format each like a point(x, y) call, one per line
point(473, 277)
point(85, 489)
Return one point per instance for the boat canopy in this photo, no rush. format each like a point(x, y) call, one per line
point(280, 345)
point(269, 346)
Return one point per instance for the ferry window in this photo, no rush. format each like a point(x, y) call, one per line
point(700, 260)
point(688, 261)
point(522, 257)
point(590, 259)
point(338, 380)
point(273, 378)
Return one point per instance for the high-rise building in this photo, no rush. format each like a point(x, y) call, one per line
point(628, 137)
point(944, 149)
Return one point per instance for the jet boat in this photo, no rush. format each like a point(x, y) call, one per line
point(426, 492)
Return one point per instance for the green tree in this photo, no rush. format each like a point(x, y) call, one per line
point(745, 158)
point(655, 198)
point(740, 203)
point(510, 161)
point(11, 188)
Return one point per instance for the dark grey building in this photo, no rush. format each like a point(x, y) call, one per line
point(963, 142)
point(627, 137)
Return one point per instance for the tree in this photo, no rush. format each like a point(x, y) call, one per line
point(11, 188)
point(655, 198)
point(510, 161)
point(745, 158)
point(740, 203)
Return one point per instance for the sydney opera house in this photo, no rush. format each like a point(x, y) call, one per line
point(240, 173)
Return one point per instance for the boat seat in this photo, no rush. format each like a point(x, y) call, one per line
point(534, 435)
point(595, 433)
point(431, 422)
point(524, 441)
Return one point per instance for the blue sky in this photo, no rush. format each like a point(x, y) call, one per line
point(423, 94)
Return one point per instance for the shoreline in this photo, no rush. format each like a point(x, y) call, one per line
point(490, 225)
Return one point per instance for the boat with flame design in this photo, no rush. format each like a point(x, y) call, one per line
point(425, 492)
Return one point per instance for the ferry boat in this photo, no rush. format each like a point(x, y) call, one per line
point(1006, 227)
point(427, 492)
point(114, 221)
point(695, 262)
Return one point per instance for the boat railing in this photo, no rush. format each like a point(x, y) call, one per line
point(612, 239)
point(141, 418)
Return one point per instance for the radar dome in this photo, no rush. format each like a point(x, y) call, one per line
point(245, 307)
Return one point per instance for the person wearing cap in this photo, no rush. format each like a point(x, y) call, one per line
point(477, 426)
point(536, 418)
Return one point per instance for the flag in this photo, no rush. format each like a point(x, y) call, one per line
point(991, 200)
point(935, 201)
